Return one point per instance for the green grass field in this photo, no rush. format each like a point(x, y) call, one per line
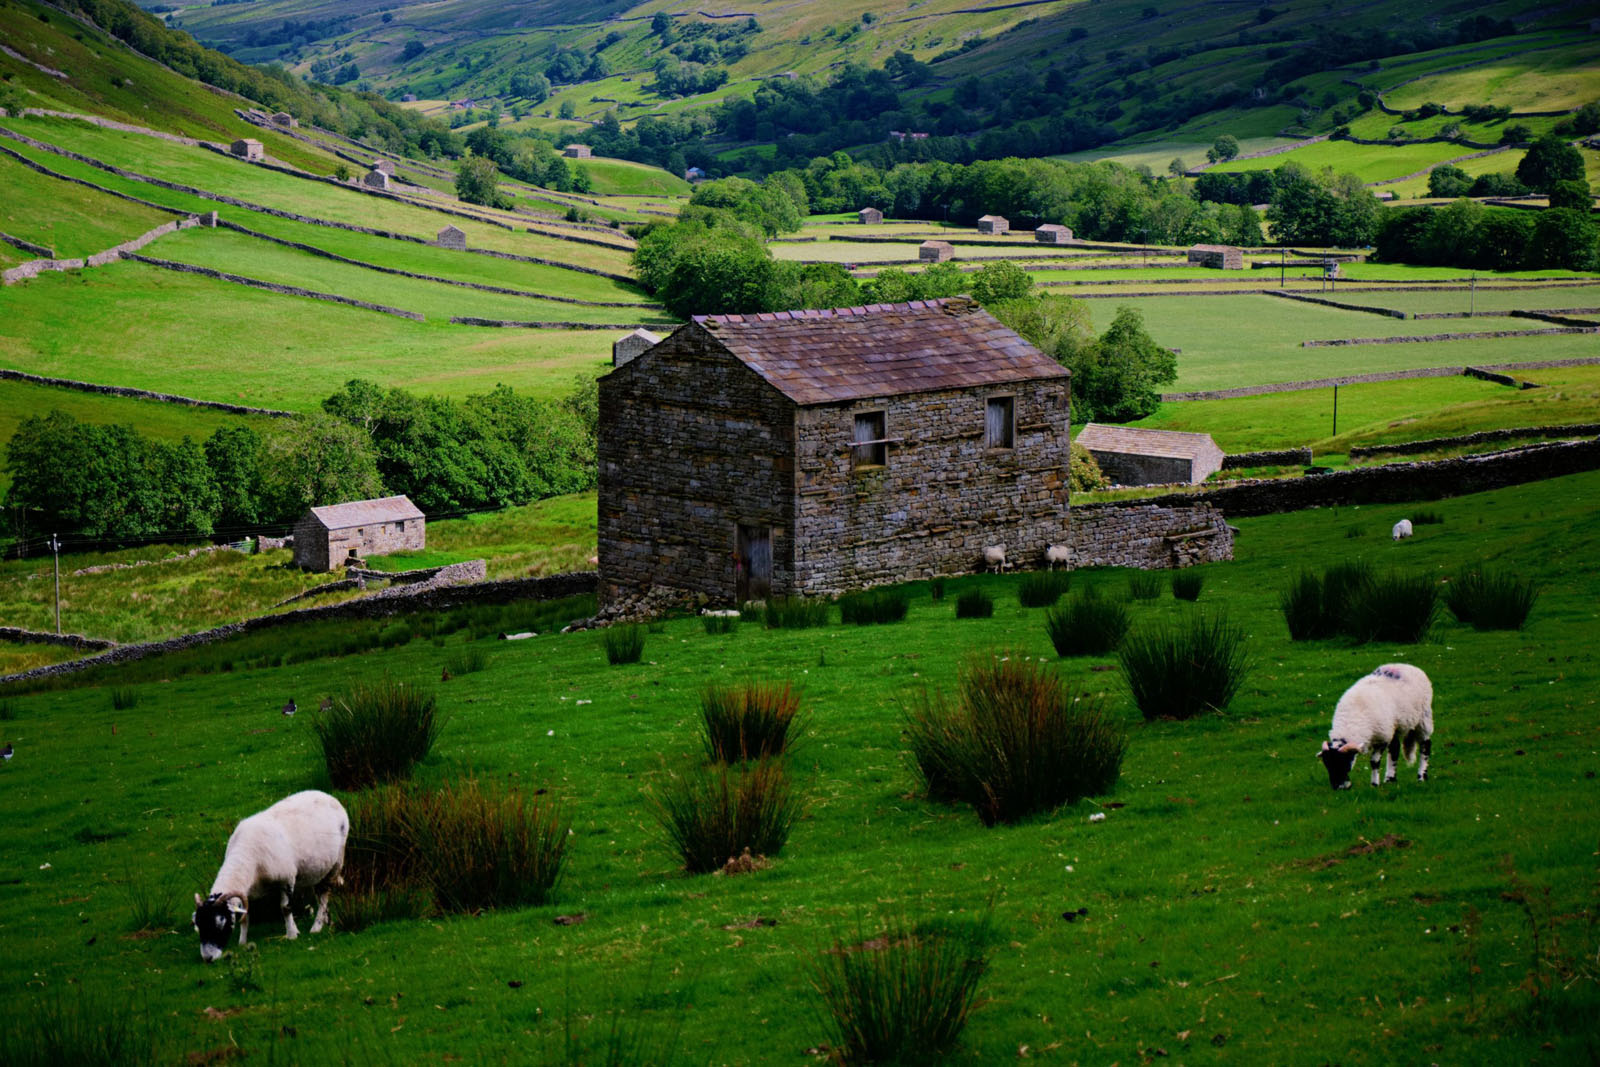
point(620, 176)
point(1543, 80)
point(1237, 910)
point(1370, 163)
point(551, 537)
point(70, 219)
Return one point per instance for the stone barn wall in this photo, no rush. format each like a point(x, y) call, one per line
point(1126, 468)
point(320, 549)
point(1149, 536)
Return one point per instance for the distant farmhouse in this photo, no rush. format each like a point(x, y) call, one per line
point(375, 178)
point(451, 237)
point(247, 148)
point(332, 536)
point(1221, 257)
point(993, 224)
point(935, 251)
point(632, 346)
point(1052, 234)
point(577, 151)
point(810, 452)
point(1132, 456)
point(869, 216)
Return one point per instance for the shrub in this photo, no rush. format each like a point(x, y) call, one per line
point(1302, 607)
point(719, 624)
point(1426, 518)
point(485, 846)
point(1491, 600)
point(936, 588)
point(1144, 585)
point(1015, 743)
point(124, 697)
point(624, 644)
point(1178, 672)
point(1040, 589)
point(1397, 607)
point(903, 996)
point(1317, 607)
point(1186, 584)
point(749, 722)
point(466, 660)
point(974, 604)
point(376, 732)
point(1087, 625)
point(874, 606)
point(795, 613)
point(712, 814)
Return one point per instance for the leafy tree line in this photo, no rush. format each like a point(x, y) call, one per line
point(112, 484)
point(1467, 234)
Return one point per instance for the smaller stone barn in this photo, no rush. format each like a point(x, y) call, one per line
point(452, 237)
point(335, 535)
point(632, 346)
point(1052, 234)
point(247, 148)
point(935, 251)
point(1220, 257)
point(385, 165)
point(285, 121)
point(1132, 456)
point(694, 174)
point(577, 151)
point(375, 179)
point(869, 216)
point(993, 224)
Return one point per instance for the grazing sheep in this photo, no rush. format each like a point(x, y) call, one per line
point(994, 558)
point(1389, 708)
point(297, 841)
point(1401, 529)
point(1058, 556)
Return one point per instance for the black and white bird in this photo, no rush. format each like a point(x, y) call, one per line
point(7, 752)
point(289, 708)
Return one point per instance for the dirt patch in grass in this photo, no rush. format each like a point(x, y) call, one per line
point(1365, 848)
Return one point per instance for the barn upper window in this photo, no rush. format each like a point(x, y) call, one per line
point(999, 423)
point(871, 445)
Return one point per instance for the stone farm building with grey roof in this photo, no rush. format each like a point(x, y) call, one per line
point(1129, 455)
point(935, 251)
point(1221, 257)
point(1053, 234)
point(811, 452)
point(870, 216)
point(993, 224)
point(247, 148)
point(328, 537)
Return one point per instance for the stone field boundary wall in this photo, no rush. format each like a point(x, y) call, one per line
point(1390, 484)
point(422, 596)
point(44, 637)
point(1426, 338)
point(1385, 376)
point(1286, 295)
point(1281, 457)
point(140, 394)
point(470, 320)
point(35, 267)
point(28, 246)
point(274, 287)
point(1149, 536)
point(58, 176)
point(1577, 429)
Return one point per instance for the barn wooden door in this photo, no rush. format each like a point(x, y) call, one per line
point(753, 563)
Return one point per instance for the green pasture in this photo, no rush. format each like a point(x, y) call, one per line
point(1158, 154)
point(24, 656)
point(549, 537)
point(68, 218)
point(1375, 125)
point(1237, 909)
point(1370, 163)
point(130, 324)
point(1499, 163)
point(1544, 79)
point(1484, 298)
point(620, 176)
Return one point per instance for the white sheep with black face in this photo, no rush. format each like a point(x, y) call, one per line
point(1386, 711)
point(1401, 529)
point(297, 841)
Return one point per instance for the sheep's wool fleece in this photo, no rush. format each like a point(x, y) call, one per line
point(1395, 698)
point(297, 841)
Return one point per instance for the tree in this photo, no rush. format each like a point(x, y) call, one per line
point(999, 281)
point(1177, 168)
point(412, 50)
point(478, 181)
point(1571, 194)
point(530, 85)
point(812, 285)
point(1563, 238)
point(1058, 326)
point(1550, 160)
point(567, 110)
point(1223, 149)
point(320, 461)
point(1447, 182)
point(660, 23)
point(1117, 378)
point(234, 455)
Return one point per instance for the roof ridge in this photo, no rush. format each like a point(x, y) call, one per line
point(833, 313)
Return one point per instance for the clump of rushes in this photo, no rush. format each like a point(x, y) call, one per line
point(1087, 625)
point(466, 660)
point(1016, 742)
point(1399, 608)
point(874, 606)
point(796, 612)
point(624, 644)
point(124, 697)
point(1491, 599)
point(1186, 584)
point(903, 996)
point(936, 588)
point(1144, 585)
point(719, 624)
point(1318, 606)
point(1040, 589)
point(974, 604)
point(710, 815)
point(376, 732)
point(749, 722)
point(1178, 672)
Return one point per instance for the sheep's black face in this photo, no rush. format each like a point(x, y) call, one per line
point(1338, 762)
point(214, 920)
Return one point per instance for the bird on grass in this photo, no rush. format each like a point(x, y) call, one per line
point(444, 675)
point(7, 752)
point(327, 704)
point(289, 708)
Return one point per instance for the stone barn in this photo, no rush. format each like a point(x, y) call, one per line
point(935, 251)
point(869, 216)
point(247, 148)
point(385, 165)
point(577, 151)
point(375, 179)
point(632, 346)
point(811, 452)
point(1221, 257)
point(1132, 456)
point(1052, 234)
point(284, 120)
point(332, 536)
point(451, 237)
point(995, 224)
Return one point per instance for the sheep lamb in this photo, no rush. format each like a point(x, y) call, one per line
point(297, 841)
point(1401, 529)
point(1389, 709)
point(1058, 556)
point(994, 557)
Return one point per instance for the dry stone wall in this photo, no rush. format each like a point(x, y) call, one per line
point(140, 394)
point(1149, 536)
point(1282, 457)
point(1426, 338)
point(273, 287)
point(45, 637)
point(1577, 429)
point(519, 324)
point(35, 267)
point(28, 246)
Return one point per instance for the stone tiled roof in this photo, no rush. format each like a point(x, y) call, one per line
point(936, 244)
point(1213, 248)
point(843, 354)
point(992, 218)
point(1051, 227)
point(366, 512)
point(1139, 442)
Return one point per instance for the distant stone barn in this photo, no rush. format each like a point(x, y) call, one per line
point(385, 165)
point(631, 346)
point(375, 179)
point(577, 151)
point(994, 224)
point(935, 251)
point(869, 216)
point(1052, 234)
point(1130, 455)
point(1220, 257)
point(451, 237)
point(284, 120)
point(247, 148)
point(331, 536)
point(811, 452)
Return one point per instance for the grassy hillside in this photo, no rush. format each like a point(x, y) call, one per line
point(1235, 908)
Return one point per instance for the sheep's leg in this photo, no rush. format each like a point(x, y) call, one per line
point(1376, 763)
point(321, 920)
point(244, 927)
point(1394, 758)
point(1426, 748)
point(290, 931)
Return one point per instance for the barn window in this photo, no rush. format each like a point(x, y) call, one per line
point(871, 446)
point(999, 422)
